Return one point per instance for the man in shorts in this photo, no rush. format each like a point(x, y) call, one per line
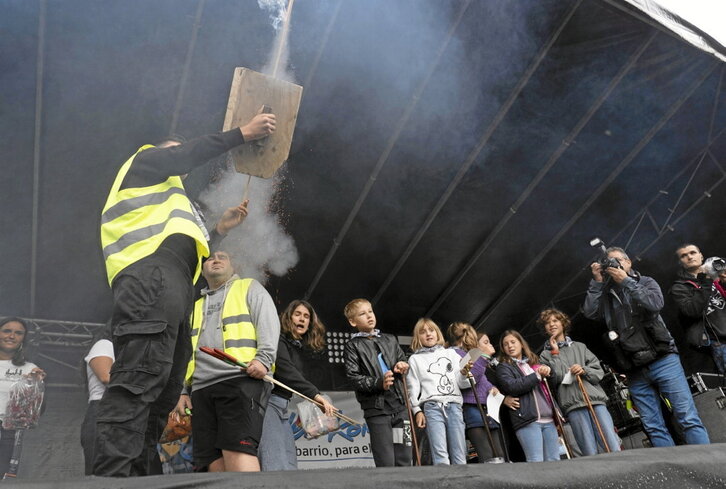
point(238, 316)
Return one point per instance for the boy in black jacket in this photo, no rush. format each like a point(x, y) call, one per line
point(380, 397)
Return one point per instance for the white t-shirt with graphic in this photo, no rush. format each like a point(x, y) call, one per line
point(9, 374)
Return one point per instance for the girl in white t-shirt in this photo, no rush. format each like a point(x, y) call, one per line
point(13, 367)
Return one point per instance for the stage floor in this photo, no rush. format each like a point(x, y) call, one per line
point(677, 467)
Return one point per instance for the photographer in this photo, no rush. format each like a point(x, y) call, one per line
point(630, 304)
point(699, 294)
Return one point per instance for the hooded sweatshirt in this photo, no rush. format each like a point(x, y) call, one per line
point(434, 375)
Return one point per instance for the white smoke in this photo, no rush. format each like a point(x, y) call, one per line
point(260, 246)
point(277, 9)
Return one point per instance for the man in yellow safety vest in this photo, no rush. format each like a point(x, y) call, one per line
point(238, 316)
point(154, 242)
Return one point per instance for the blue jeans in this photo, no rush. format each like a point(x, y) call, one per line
point(665, 377)
point(277, 445)
point(539, 442)
point(719, 356)
point(445, 428)
point(586, 433)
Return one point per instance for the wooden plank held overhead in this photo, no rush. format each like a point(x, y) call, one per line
point(250, 91)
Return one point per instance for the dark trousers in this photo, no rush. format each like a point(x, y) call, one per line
point(483, 447)
point(88, 435)
point(385, 452)
point(152, 303)
point(7, 443)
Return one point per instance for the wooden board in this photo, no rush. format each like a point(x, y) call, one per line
point(250, 91)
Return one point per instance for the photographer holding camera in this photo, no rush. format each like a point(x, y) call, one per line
point(700, 294)
point(630, 304)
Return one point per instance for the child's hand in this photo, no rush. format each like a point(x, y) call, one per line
point(387, 380)
point(554, 346)
point(467, 368)
point(401, 368)
point(543, 370)
point(577, 370)
point(420, 419)
point(326, 407)
point(511, 402)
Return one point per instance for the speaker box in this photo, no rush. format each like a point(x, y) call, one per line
point(711, 407)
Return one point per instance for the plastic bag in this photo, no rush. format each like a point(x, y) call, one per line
point(24, 402)
point(177, 427)
point(313, 421)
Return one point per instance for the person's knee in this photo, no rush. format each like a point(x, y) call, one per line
point(240, 462)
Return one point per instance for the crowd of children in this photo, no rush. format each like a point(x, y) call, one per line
point(448, 389)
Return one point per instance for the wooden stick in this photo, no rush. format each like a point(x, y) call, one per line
point(229, 359)
point(484, 416)
point(247, 188)
point(283, 38)
point(592, 413)
point(558, 420)
point(411, 420)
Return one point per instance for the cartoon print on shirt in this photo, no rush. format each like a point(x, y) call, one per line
point(443, 368)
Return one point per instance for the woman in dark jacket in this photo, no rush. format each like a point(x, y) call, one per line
point(299, 325)
point(520, 375)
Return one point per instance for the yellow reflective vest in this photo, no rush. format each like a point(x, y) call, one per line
point(136, 220)
point(239, 336)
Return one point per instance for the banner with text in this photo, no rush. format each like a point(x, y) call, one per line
point(349, 446)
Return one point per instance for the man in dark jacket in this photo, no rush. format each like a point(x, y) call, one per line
point(630, 305)
point(701, 302)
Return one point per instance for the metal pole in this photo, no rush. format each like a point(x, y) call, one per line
point(39, 68)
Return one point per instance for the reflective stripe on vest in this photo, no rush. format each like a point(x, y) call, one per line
point(136, 220)
point(238, 333)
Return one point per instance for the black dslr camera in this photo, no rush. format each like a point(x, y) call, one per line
point(714, 267)
point(604, 261)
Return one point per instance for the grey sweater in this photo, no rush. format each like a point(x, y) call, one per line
point(209, 370)
point(569, 395)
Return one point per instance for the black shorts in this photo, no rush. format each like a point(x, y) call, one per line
point(228, 415)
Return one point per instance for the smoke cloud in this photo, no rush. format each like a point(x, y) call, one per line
point(260, 246)
point(277, 9)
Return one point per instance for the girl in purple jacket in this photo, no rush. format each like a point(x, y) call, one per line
point(463, 338)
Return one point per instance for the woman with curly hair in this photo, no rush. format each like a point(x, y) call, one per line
point(299, 326)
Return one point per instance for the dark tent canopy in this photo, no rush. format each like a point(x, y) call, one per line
point(451, 159)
